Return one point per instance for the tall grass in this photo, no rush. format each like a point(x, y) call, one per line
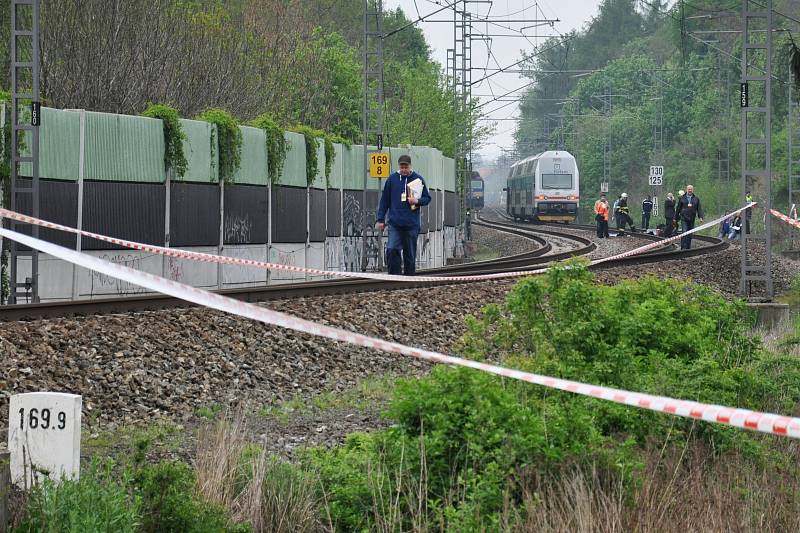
point(270, 495)
point(679, 491)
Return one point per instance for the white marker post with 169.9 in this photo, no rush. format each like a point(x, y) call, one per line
point(44, 436)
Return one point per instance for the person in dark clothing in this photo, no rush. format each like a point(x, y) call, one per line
point(686, 211)
point(647, 208)
point(402, 204)
point(624, 213)
point(669, 215)
point(748, 213)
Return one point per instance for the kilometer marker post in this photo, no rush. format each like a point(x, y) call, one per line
point(44, 436)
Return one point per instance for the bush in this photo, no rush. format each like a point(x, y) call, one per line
point(796, 283)
point(98, 502)
point(169, 504)
point(467, 436)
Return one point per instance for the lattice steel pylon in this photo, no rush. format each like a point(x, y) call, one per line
point(24, 188)
point(793, 134)
point(372, 111)
point(462, 63)
point(756, 145)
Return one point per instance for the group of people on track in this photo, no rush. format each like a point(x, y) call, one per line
point(683, 211)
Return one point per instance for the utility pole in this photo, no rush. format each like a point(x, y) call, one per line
point(723, 125)
point(658, 140)
point(607, 108)
point(372, 112)
point(756, 144)
point(24, 186)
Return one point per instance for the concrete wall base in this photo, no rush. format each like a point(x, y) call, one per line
point(770, 314)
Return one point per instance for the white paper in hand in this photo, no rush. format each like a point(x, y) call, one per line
point(414, 188)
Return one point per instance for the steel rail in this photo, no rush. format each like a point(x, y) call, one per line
point(525, 261)
point(531, 260)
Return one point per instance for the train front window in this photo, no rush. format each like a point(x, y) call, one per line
point(477, 185)
point(556, 181)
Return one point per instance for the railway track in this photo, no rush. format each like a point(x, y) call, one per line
point(532, 260)
point(535, 259)
point(710, 244)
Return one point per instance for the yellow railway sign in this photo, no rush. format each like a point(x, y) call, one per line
point(379, 166)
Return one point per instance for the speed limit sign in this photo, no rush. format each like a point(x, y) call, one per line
point(656, 175)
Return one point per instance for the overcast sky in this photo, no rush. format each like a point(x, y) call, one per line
point(572, 14)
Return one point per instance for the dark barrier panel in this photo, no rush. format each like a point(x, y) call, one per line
point(433, 216)
point(373, 198)
point(424, 218)
point(317, 219)
point(334, 213)
point(246, 214)
point(58, 202)
point(132, 211)
point(451, 209)
point(351, 213)
point(194, 214)
point(288, 214)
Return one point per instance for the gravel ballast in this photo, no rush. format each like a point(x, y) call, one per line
point(168, 364)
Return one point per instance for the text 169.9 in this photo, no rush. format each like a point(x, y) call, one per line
point(42, 419)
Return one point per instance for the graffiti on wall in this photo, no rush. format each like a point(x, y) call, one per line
point(237, 229)
point(103, 284)
point(353, 245)
point(333, 253)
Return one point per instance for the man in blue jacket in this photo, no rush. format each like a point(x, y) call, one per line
point(403, 207)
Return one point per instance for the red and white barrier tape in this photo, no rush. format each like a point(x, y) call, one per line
point(742, 418)
point(788, 220)
point(211, 258)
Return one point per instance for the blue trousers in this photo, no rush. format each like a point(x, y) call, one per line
point(686, 242)
point(402, 241)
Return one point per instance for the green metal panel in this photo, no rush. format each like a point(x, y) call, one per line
point(124, 148)
point(253, 169)
point(353, 167)
point(294, 167)
point(59, 145)
point(337, 172)
point(449, 174)
point(201, 150)
point(435, 180)
point(319, 179)
point(422, 163)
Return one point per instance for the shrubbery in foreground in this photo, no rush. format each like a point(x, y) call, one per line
point(147, 498)
point(476, 452)
point(466, 442)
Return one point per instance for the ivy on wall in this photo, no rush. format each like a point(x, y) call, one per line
point(174, 158)
point(313, 137)
point(230, 141)
point(276, 145)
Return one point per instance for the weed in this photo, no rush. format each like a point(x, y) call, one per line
point(98, 502)
point(210, 411)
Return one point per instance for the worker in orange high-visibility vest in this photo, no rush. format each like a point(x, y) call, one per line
point(601, 216)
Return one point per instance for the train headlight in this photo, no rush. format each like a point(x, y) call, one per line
point(541, 197)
